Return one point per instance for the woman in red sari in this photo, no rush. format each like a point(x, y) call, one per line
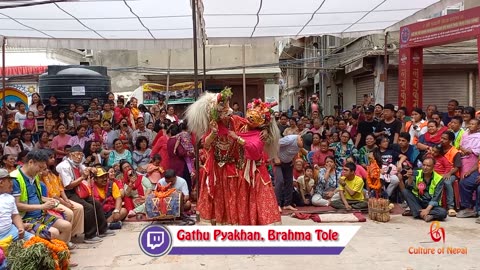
point(219, 193)
point(259, 136)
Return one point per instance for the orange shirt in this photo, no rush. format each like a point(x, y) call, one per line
point(53, 183)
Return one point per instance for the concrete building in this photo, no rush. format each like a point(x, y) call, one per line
point(352, 68)
point(131, 69)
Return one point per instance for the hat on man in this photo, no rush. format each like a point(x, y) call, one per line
point(100, 172)
point(76, 148)
point(369, 109)
point(4, 174)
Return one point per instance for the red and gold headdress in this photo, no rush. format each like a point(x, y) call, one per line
point(260, 113)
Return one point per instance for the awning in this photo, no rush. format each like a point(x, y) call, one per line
point(154, 24)
point(23, 70)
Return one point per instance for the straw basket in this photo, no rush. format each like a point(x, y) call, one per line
point(378, 209)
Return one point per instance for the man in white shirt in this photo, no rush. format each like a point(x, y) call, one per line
point(177, 183)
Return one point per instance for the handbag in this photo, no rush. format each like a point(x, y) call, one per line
point(82, 190)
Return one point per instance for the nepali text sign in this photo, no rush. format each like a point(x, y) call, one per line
point(459, 26)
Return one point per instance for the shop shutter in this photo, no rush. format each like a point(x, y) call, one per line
point(364, 85)
point(391, 96)
point(440, 86)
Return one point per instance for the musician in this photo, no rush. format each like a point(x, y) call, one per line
point(178, 183)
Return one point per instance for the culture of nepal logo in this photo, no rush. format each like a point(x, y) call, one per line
point(437, 233)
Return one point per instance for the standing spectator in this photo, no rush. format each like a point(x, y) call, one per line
point(283, 123)
point(59, 142)
point(389, 126)
point(289, 148)
point(447, 117)
point(171, 114)
point(366, 127)
point(53, 106)
point(236, 110)
point(20, 116)
point(36, 100)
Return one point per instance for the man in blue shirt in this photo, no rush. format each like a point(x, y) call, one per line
point(30, 202)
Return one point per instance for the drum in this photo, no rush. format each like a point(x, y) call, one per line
point(164, 208)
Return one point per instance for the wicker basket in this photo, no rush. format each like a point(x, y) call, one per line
point(378, 209)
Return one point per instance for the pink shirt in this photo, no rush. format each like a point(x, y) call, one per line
point(360, 171)
point(60, 143)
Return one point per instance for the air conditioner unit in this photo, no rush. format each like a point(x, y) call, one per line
point(88, 53)
point(332, 42)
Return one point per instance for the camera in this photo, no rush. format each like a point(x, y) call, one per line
point(403, 172)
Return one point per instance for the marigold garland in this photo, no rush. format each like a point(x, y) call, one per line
point(373, 176)
point(58, 249)
point(164, 191)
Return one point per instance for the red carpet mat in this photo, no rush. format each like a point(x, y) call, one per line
point(332, 217)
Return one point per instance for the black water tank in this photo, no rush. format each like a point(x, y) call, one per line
point(74, 84)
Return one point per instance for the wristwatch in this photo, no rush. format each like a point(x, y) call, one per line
point(116, 211)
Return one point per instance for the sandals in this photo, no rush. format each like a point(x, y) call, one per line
point(407, 213)
point(452, 213)
point(188, 222)
point(71, 246)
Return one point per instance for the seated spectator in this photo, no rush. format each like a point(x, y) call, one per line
point(108, 194)
point(455, 159)
point(31, 205)
point(298, 168)
point(365, 151)
point(320, 155)
point(432, 137)
point(136, 188)
point(423, 192)
point(390, 163)
point(119, 153)
point(304, 187)
point(141, 155)
point(343, 149)
point(72, 211)
point(177, 183)
point(360, 171)
point(12, 147)
point(405, 148)
point(328, 178)
point(11, 223)
point(350, 190)
point(468, 185)
point(74, 174)
point(9, 163)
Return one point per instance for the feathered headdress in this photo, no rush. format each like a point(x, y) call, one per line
point(208, 107)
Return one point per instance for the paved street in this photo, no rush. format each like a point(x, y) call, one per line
point(376, 246)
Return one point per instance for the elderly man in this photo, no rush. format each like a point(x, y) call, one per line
point(75, 177)
point(30, 202)
point(423, 192)
point(290, 146)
